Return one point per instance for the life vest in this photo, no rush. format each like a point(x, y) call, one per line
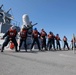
point(57, 38)
point(35, 33)
point(12, 33)
point(73, 40)
point(23, 33)
point(43, 33)
point(50, 36)
point(64, 39)
point(12, 45)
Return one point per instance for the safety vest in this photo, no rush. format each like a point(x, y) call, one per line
point(35, 33)
point(57, 38)
point(73, 40)
point(23, 33)
point(50, 36)
point(43, 33)
point(12, 33)
point(64, 39)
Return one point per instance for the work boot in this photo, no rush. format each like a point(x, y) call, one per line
point(16, 50)
point(26, 50)
point(54, 49)
point(68, 48)
point(31, 50)
point(2, 49)
point(46, 49)
point(39, 49)
point(60, 49)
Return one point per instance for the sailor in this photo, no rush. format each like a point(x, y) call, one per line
point(43, 38)
point(10, 36)
point(65, 42)
point(73, 42)
point(51, 40)
point(35, 35)
point(58, 41)
point(23, 37)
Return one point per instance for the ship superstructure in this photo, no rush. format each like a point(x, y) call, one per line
point(5, 20)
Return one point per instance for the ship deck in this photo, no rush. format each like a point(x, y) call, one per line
point(38, 62)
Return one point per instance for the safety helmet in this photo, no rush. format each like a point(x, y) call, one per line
point(57, 34)
point(35, 28)
point(50, 32)
point(64, 36)
point(42, 29)
point(13, 27)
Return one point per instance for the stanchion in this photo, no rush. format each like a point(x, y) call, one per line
point(73, 44)
point(62, 44)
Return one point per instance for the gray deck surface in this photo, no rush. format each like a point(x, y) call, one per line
point(37, 63)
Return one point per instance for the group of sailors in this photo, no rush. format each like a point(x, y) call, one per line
point(36, 35)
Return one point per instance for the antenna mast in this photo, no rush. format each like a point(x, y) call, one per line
point(1, 6)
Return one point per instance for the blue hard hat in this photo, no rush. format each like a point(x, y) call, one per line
point(50, 32)
point(35, 28)
point(57, 34)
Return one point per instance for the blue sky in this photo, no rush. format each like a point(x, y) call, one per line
point(58, 16)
